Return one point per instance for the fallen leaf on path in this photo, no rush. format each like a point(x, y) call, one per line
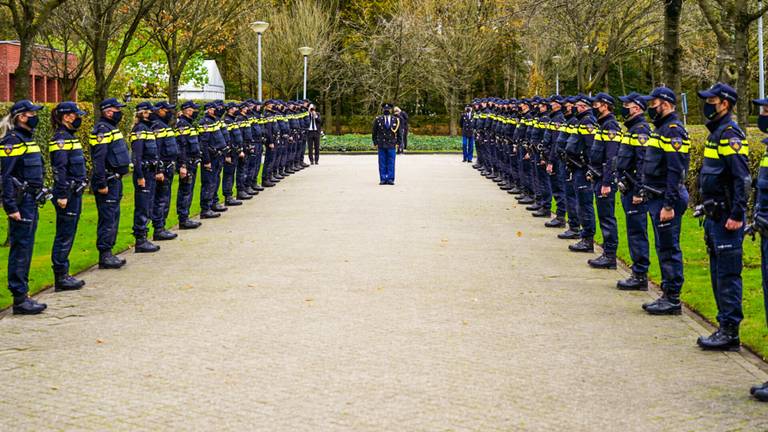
point(519, 233)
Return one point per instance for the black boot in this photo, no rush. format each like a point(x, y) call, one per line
point(109, 261)
point(504, 186)
point(251, 191)
point(664, 305)
point(28, 306)
point(533, 207)
point(515, 191)
point(526, 200)
point(190, 224)
point(569, 234)
point(636, 282)
point(163, 235)
point(726, 338)
point(219, 208)
point(267, 184)
point(585, 245)
point(145, 246)
point(242, 195)
point(542, 213)
point(230, 201)
point(760, 392)
point(65, 282)
point(209, 214)
point(557, 222)
point(257, 187)
point(604, 261)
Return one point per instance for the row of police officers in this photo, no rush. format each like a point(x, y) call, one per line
point(569, 156)
point(236, 147)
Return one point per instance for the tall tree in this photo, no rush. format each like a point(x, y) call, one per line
point(28, 16)
point(109, 27)
point(184, 28)
point(673, 52)
point(67, 57)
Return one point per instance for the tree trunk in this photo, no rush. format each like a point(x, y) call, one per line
point(673, 52)
point(453, 127)
point(22, 88)
point(741, 47)
point(338, 116)
point(327, 108)
point(621, 77)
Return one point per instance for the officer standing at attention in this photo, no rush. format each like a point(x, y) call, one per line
point(664, 169)
point(254, 160)
point(110, 159)
point(385, 129)
point(602, 157)
point(212, 145)
point(571, 198)
point(577, 148)
point(629, 167)
point(190, 155)
point(168, 152)
point(553, 163)
point(467, 134)
point(760, 391)
point(724, 182)
point(69, 181)
point(145, 175)
point(21, 164)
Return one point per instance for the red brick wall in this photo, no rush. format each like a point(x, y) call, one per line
point(44, 89)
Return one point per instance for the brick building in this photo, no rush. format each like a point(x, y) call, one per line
point(45, 84)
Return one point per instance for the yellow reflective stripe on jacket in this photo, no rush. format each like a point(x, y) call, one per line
point(20, 149)
point(714, 151)
point(764, 161)
point(141, 135)
point(583, 130)
point(187, 131)
point(665, 144)
point(70, 144)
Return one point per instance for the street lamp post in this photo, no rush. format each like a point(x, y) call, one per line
point(259, 27)
point(305, 51)
point(529, 63)
point(557, 59)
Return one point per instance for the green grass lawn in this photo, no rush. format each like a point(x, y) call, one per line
point(416, 143)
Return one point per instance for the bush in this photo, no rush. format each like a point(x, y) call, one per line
point(362, 143)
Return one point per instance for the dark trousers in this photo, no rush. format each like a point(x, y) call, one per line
point(764, 270)
point(210, 179)
point(161, 205)
point(571, 198)
point(22, 238)
point(67, 219)
point(387, 164)
point(557, 186)
point(313, 143)
point(253, 165)
point(143, 203)
point(585, 197)
point(725, 264)
point(269, 162)
point(606, 215)
point(667, 236)
point(108, 207)
point(637, 233)
point(185, 193)
point(544, 192)
point(228, 177)
point(467, 147)
point(241, 173)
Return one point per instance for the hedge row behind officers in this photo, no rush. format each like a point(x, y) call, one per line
point(228, 141)
point(649, 167)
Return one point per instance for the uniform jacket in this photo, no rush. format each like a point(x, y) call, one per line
point(385, 130)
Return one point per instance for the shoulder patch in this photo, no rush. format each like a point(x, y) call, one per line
point(642, 138)
point(8, 148)
point(590, 128)
point(676, 143)
point(735, 143)
point(612, 134)
point(60, 143)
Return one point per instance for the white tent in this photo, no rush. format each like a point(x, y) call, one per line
point(213, 89)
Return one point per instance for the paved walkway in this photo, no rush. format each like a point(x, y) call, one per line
point(332, 303)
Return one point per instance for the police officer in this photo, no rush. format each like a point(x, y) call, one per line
point(760, 392)
point(467, 134)
point(146, 174)
point(384, 137)
point(245, 120)
point(270, 135)
point(21, 164)
point(69, 181)
point(577, 149)
point(521, 144)
point(664, 170)
point(190, 156)
point(724, 182)
point(110, 159)
point(571, 200)
point(553, 163)
point(233, 155)
point(168, 153)
point(259, 137)
point(629, 167)
point(213, 146)
point(602, 158)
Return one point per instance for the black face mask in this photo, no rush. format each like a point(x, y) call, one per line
point(710, 111)
point(32, 122)
point(625, 113)
point(153, 117)
point(76, 123)
point(653, 113)
point(387, 112)
point(116, 117)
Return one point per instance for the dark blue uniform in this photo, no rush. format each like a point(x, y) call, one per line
point(190, 156)
point(109, 155)
point(602, 157)
point(467, 136)
point(577, 148)
point(69, 180)
point(629, 167)
point(664, 168)
point(254, 157)
point(21, 164)
point(168, 154)
point(384, 137)
point(571, 198)
point(235, 144)
point(724, 182)
point(213, 147)
point(145, 166)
